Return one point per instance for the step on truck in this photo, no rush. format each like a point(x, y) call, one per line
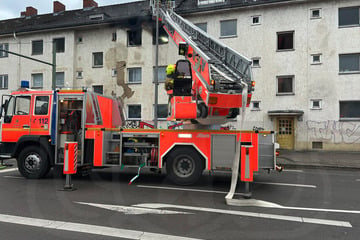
point(36, 125)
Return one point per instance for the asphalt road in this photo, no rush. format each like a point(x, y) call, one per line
point(298, 204)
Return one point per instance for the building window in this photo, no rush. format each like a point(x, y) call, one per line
point(162, 111)
point(4, 81)
point(4, 46)
point(315, 59)
point(255, 20)
point(37, 80)
point(202, 26)
point(98, 89)
point(315, 13)
point(317, 145)
point(60, 45)
point(161, 74)
point(114, 36)
point(255, 106)
point(113, 72)
point(79, 74)
point(349, 63)
point(206, 2)
point(228, 28)
point(79, 40)
point(349, 16)
point(134, 38)
point(255, 62)
point(37, 47)
point(285, 85)
point(163, 36)
point(41, 105)
point(285, 41)
point(96, 17)
point(350, 110)
point(97, 59)
point(316, 104)
point(134, 112)
point(134, 75)
point(60, 79)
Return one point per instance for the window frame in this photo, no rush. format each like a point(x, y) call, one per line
point(136, 44)
point(253, 61)
point(94, 55)
point(313, 107)
point(209, 2)
point(255, 17)
point(128, 75)
point(292, 77)
point(351, 24)
point(57, 79)
point(347, 118)
point(33, 43)
point(312, 16)
point(357, 71)
point(96, 89)
point(253, 107)
point(60, 44)
point(313, 62)
point(162, 69)
point(128, 111)
point(278, 41)
point(201, 25)
point(229, 35)
point(32, 80)
point(158, 107)
point(4, 46)
point(4, 80)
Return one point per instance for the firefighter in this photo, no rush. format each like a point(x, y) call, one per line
point(170, 75)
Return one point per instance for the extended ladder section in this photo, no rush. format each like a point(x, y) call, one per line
point(229, 70)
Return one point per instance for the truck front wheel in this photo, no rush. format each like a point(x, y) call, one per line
point(184, 166)
point(33, 162)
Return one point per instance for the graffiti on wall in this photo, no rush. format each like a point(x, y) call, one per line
point(334, 131)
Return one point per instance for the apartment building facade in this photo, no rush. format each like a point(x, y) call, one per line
point(305, 60)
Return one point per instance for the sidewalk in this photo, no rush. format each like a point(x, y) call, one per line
point(319, 159)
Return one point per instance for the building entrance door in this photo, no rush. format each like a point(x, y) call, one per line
point(285, 133)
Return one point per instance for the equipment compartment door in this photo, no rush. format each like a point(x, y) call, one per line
point(223, 149)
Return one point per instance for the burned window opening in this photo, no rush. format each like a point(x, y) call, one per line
point(134, 37)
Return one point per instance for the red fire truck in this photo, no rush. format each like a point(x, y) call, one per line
point(36, 125)
point(212, 84)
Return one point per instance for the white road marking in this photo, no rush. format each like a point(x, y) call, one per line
point(287, 184)
point(88, 228)
point(8, 170)
point(251, 214)
point(132, 210)
point(183, 189)
point(293, 170)
point(17, 177)
point(358, 180)
point(265, 204)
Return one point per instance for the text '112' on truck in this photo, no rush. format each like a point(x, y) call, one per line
point(37, 125)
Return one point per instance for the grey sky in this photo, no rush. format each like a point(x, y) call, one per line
point(12, 8)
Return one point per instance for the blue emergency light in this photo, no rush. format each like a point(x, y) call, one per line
point(25, 84)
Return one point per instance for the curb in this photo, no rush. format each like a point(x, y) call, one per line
point(314, 166)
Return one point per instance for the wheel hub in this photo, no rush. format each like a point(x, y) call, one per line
point(184, 167)
point(32, 162)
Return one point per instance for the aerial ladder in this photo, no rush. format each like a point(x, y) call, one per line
point(220, 82)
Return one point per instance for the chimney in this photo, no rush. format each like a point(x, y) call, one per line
point(30, 11)
point(58, 7)
point(89, 4)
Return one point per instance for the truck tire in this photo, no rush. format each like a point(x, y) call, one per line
point(184, 166)
point(33, 162)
